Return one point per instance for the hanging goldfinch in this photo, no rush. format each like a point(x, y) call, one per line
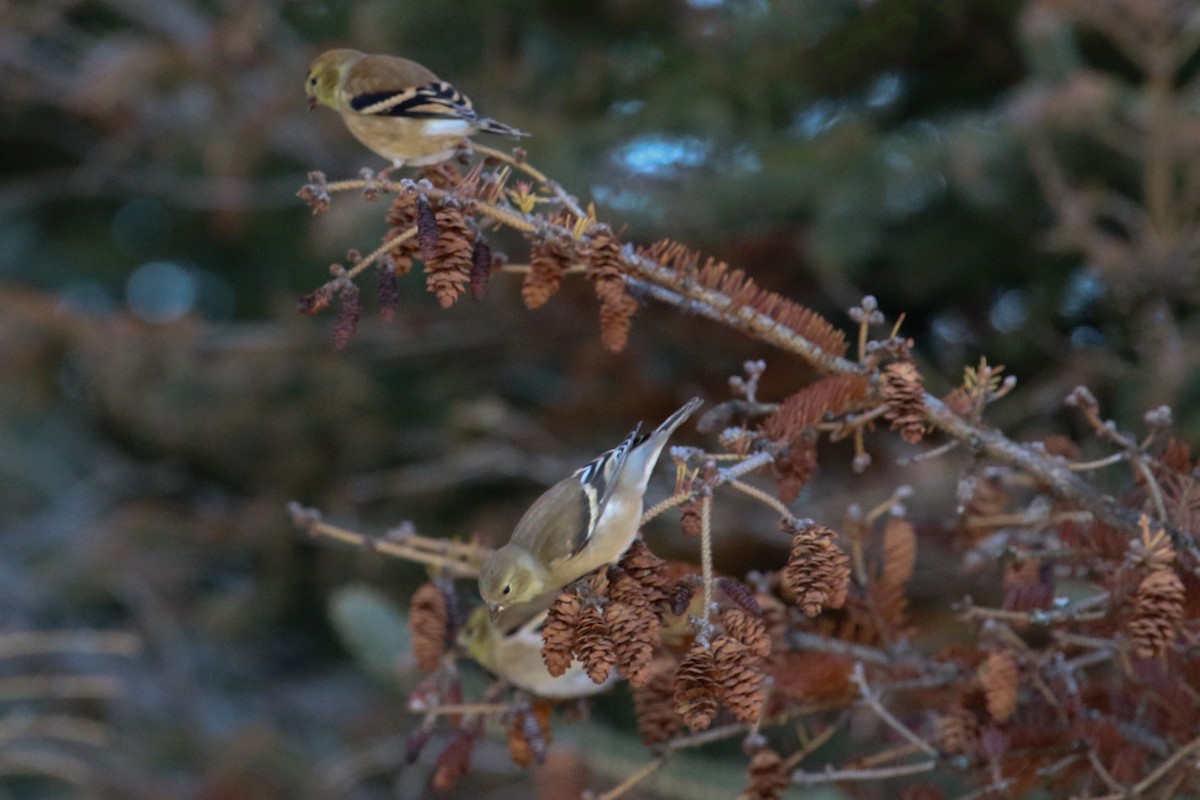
point(583, 522)
point(517, 657)
point(396, 107)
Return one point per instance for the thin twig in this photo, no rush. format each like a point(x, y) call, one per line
point(825, 644)
point(463, 563)
point(1104, 774)
point(648, 769)
point(76, 730)
point(468, 708)
point(762, 497)
point(831, 775)
point(26, 643)
point(1099, 463)
point(1166, 766)
point(891, 754)
point(375, 254)
point(79, 687)
point(872, 700)
point(706, 560)
point(812, 745)
point(664, 506)
point(569, 202)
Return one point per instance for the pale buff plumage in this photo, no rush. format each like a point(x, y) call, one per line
point(517, 658)
point(396, 107)
point(583, 522)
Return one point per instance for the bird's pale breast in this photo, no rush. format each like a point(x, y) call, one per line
point(414, 142)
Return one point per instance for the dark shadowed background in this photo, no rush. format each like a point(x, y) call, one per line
point(992, 169)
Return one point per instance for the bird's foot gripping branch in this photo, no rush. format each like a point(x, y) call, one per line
point(1088, 641)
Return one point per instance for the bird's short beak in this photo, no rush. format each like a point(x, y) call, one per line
point(495, 609)
point(312, 103)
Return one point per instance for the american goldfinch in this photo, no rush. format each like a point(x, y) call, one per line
point(396, 107)
point(581, 523)
point(517, 658)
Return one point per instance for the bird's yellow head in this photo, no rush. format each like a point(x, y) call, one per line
point(325, 75)
point(509, 577)
point(476, 636)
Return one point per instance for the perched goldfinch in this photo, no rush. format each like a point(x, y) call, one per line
point(396, 107)
point(581, 523)
point(517, 658)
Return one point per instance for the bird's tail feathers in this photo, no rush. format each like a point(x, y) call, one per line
point(672, 422)
point(489, 125)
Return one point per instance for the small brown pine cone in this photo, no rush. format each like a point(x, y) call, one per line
point(648, 570)
point(559, 632)
point(1157, 612)
point(999, 676)
point(654, 703)
point(817, 571)
point(768, 776)
point(635, 633)
point(775, 620)
point(449, 271)
point(624, 589)
point(697, 687)
point(604, 265)
point(402, 217)
point(957, 731)
point(594, 645)
point(741, 679)
point(616, 318)
point(428, 621)
point(904, 394)
point(899, 551)
point(606, 271)
point(548, 262)
point(794, 468)
point(747, 629)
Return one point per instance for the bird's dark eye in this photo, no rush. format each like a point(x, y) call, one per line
point(312, 81)
point(506, 590)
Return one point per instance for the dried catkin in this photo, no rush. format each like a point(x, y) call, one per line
point(428, 624)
